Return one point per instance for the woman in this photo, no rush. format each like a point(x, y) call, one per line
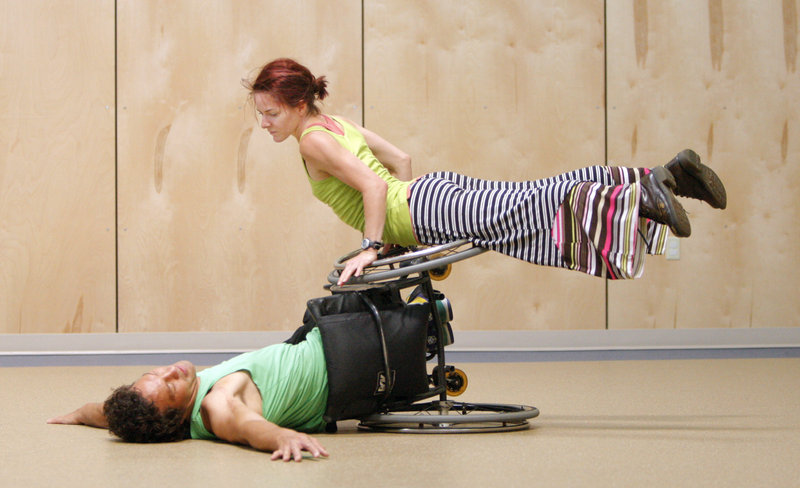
point(589, 220)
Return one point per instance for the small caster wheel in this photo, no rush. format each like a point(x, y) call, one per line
point(440, 273)
point(455, 380)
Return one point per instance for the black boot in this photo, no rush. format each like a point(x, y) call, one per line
point(695, 180)
point(657, 202)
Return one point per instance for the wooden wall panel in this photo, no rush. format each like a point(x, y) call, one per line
point(721, 77)
point(57, 251)
point(218, 229)
point(501, 90)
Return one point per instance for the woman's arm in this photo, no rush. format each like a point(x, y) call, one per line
point(326, 157)
point(90, 414)
point(232, 421)
point(396, 161)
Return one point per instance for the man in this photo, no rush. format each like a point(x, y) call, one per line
point(266, 399)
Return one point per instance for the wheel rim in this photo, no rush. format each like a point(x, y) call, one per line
point(451, 417)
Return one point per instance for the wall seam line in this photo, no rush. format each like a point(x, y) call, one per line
point(605, 120)
point(116, 172)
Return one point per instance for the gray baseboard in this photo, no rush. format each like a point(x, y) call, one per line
point(205, 348)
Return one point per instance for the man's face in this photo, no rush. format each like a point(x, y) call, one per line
point(173, 386)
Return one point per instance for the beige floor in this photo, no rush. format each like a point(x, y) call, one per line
point(704, 423)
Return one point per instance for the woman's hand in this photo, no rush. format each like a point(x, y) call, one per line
point(291, 445)
point(355, 265)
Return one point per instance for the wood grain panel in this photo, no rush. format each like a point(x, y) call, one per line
point(57, 250)
point(719, 77)
point(218, 229)
point(501, 90)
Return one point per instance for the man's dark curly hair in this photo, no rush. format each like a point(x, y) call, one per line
point(134, 418)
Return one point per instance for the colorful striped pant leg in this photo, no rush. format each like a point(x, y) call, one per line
point(598, 229)
point(655, 234)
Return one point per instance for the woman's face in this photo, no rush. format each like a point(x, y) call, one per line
point(281, 121)
point(173, 386)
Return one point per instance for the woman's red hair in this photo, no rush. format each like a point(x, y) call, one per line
point(290, 83)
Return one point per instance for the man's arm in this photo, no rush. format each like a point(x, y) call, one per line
point(90, 414)
point(232, 421)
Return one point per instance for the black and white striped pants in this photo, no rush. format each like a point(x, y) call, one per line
point(525, 219)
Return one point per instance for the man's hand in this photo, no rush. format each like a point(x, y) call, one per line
point(292, 443)
point(233, 421)
point(90, 414)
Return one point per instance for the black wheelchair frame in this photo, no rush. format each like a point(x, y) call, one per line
point(403, 268)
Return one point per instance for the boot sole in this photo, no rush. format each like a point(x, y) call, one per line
point(690, 162)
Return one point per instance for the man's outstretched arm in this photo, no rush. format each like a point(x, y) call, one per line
point(232, 421)
point(90, 414)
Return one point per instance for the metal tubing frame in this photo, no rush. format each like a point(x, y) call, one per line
point(504, 417)
point(393, 272)
point(422, 268)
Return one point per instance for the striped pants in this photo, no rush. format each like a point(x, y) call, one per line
point(585, 220)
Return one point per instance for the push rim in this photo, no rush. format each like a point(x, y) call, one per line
point(451, 417)
point(417, 261)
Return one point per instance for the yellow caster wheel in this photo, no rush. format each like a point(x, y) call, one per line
point(441, 272)
point(454, 378)
point(456, 382)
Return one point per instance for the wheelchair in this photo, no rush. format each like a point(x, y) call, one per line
point(431, 411)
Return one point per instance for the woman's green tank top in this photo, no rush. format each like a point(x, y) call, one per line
point(348, 203)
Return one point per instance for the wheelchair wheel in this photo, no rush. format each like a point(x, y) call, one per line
point(448, 417)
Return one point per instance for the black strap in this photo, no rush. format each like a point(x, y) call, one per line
point(379, 324)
